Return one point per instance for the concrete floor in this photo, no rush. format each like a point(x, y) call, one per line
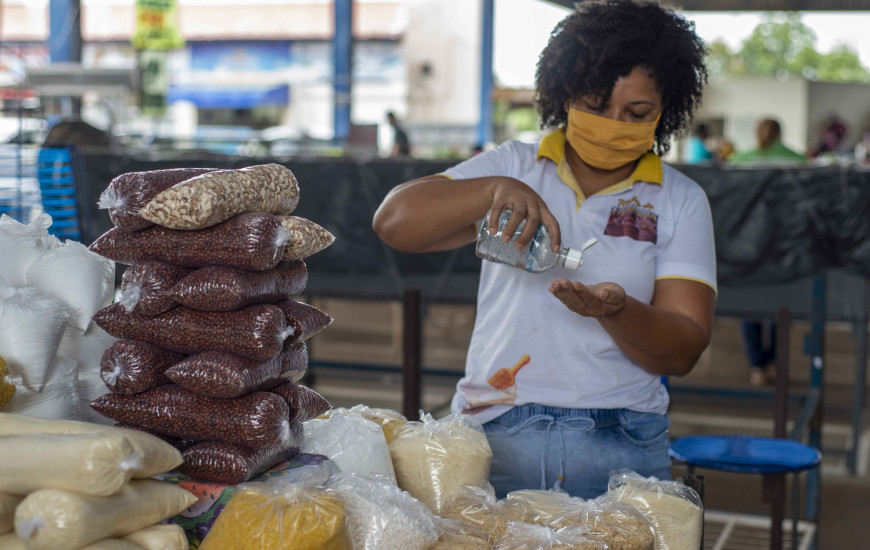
point(369, 333)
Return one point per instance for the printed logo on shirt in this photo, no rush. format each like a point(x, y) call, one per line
point(500, 389)
point(631, 219)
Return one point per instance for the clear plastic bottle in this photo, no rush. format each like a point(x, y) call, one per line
point(534, 257)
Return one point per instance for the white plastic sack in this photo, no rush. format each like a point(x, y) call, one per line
point(22, 244)
point(353, 443)
point(59, 398)
point(86, 347)
point(31, 327)
point(81, 279)
point(91, 386)
point(60, 520)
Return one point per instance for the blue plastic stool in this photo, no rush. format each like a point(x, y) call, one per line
point(772, 457)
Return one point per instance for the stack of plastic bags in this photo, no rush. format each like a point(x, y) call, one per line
point(212, 343)
point(49, 346)
point(66, 485)
point(323, 509)
point(636, 513)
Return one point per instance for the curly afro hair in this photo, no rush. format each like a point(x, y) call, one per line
point(602, 41)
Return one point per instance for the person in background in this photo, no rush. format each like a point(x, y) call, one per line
point(697, 151)
point(769, 147)
point(564, 367)
point(401, 144)
point(761, 351)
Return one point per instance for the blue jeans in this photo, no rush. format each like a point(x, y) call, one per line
point(753, 339)
point(538, 447)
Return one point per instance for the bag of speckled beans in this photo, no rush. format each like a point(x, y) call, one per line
point(221, 288)
point(231, 464)
point(306, 237)
point(145, 287)
point(281, 514)
point(257, 420)
point(617, 524)
point(674, 509)
point(214, 197)
point(257, 332)
point(131, 366)
point(305, 403)
point(433, 459)
point(380, 516)
point(128, 193)
point(248, 241)
point(226, 375)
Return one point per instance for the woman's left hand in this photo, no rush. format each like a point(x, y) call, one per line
point(598, 300)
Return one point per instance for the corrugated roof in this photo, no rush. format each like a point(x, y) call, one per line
point(102, 23)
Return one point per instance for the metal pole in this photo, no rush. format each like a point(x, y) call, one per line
point(411, 352)
point(815, 348)
point(342, 43)
point(484, 126)
point(65, 42)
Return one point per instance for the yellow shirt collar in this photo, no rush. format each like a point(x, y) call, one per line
point(552, 147)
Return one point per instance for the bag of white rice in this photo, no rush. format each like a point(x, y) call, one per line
point(380, 516)
point(433, 459)
point(675, 510)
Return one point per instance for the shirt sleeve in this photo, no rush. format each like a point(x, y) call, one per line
point(691, 252)
point(495, 162)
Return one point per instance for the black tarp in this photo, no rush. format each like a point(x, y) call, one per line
point(772, 225)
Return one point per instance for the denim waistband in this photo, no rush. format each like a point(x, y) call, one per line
point(601, 418)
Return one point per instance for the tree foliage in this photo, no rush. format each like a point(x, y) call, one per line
point(783, 47)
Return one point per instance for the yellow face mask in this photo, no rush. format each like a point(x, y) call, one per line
point(608, 144)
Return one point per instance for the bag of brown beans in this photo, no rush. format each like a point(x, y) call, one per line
point(128, 193)
point(221, 288)
point(180, 444)
point(221, 462)
point(211, 198)
point(145, 287)
point(247, 241)
point(225, 375)
point(306, 237)
point(304, 402)
point(305, 319)
point(258, 420)
point(257, 332)
point(132, 366)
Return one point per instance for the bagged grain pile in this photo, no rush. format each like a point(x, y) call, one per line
point(528, 536)
point(455, 534)
point(675, 510)
point(479, 507)
point(380, 516)
point(281, 514)
point(620, 526)
point(51, 519)
point(433, 459)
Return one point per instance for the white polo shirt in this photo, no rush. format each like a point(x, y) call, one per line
point(654, 225)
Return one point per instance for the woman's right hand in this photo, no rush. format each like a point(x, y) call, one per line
point(526, 204)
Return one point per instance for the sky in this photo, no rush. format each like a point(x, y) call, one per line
point(514, 60)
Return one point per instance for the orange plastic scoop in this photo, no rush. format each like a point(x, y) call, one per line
point(505, 378)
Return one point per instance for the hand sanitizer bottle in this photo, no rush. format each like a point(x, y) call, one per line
point(534, 257)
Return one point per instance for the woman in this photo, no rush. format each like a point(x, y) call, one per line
point(582, 395)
